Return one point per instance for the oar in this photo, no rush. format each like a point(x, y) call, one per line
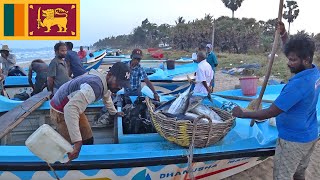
point(256, 103)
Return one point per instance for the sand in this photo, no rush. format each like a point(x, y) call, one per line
point(264, 170)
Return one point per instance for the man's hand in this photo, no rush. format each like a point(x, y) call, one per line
point(237, 112)
point(281, 27)
point(120, 114)
point(76, 150)
point(156, 96)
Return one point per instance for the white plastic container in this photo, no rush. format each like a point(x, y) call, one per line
point(48, 145)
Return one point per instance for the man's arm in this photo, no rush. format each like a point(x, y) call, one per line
point(30, 76)
point(52, 72)
point(12, 59)
point(69, 68)
point(272, 111)
point(50, 82)
point(107, 100)
point(150, 85)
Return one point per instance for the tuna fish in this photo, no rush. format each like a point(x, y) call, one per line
point(205, 110)
point(181, 104)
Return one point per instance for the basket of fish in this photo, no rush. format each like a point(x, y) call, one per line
point(185, 118)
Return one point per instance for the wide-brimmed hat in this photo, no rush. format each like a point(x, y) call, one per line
point(5, 48)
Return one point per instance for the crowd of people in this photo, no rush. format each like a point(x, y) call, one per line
point(73, 89)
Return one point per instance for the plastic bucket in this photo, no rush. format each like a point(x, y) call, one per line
point(170, 64)
point(249, 85)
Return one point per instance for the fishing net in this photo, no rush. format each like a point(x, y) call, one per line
point(182, 132)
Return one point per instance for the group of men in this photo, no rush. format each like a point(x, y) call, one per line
point(294, 109)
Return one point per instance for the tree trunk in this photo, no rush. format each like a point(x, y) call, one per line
point(289, 29)
point(232, 14)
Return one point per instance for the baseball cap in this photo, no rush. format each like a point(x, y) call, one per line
point(122, 72)
point(136, 54)
point(209, 46)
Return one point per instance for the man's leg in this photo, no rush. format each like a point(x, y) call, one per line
point(301, 169)
point(85, 130)
point(287, 158)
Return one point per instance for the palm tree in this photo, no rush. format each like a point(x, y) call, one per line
point(180, 20)
point(292, 13)
point(233, 5)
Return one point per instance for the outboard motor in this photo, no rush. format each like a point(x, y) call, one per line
point(16, 71)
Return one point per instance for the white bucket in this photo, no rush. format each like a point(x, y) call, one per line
point(49, 145)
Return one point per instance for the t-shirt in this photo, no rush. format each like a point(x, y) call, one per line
point(204, 72)
point(39, 67)
point(59, 71)
point(136, 76)
point(75, 64)
point(298, 100)
point(7, 63)
point(212, 60)
point(82, 54)
point(60, 99)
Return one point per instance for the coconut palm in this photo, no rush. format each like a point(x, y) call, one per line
point(233, 5)
point(292, 13)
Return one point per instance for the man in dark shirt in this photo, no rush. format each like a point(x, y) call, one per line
point(58, 70)
point(41, 68)
point(73, 61)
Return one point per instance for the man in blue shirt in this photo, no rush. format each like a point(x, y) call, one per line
point(73, 61)
point(212, 60)
point(295, 110)
point(137, 75)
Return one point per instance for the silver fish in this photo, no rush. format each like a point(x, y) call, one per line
point(205, 110)
point(181, 104)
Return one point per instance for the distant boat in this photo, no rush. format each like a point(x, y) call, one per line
point(95, 61)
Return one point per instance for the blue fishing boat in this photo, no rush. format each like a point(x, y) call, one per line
point(141, 156)
point(95, 61)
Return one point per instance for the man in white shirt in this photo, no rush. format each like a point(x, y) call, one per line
point(204, 75)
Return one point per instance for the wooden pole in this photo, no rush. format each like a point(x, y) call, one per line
point(273, 52)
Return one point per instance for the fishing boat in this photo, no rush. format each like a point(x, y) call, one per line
point(117, 155)
point(95, 61)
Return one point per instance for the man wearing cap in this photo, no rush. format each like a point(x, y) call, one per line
point(7, 59)
point(212, 60)
point(137, 75)
point(71, 100)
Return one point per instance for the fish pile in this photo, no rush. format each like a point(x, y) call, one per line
point(188, 107)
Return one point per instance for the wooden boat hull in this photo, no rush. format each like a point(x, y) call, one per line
point(216, 169)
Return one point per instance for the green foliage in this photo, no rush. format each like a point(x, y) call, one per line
point(291, 13)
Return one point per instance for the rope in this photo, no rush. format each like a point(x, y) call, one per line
point(54, 172)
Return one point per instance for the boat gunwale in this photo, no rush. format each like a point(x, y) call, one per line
point(138, 162)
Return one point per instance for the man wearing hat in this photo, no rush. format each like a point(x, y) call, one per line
point(137, 75)
point(72, 98)
point(7, 59)
point(212, 60)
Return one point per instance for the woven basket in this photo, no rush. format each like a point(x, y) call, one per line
point(181, 131)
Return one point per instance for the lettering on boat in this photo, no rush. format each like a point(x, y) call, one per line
point(179, 173)
point(238, 160)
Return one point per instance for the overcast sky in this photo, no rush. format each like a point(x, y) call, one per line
point(103, 18)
